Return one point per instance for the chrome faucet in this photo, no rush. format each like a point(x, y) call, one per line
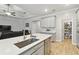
point(30, 33)
point(24, 35)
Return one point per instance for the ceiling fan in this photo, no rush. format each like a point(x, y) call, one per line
point(8, 12)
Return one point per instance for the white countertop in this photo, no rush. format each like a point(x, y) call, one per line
point(48, 32)
point(7, 46)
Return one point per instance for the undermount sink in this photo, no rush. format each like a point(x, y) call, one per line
point(26, 42)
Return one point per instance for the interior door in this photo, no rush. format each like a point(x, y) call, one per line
point(35, 26)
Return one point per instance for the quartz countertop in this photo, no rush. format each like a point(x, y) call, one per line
point(7, 46)
point(48, 32)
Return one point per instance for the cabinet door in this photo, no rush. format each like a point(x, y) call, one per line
point(40, 51)
point(33, 49)
point(44, 22)
point(52, 22)
point(48, 22)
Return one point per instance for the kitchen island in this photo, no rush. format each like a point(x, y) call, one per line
point(8, 47)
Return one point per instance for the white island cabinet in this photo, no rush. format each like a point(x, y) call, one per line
point(36, 50)
point(40, 51)
point(42, 48)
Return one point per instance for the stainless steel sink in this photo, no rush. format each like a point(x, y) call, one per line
point(25, 43)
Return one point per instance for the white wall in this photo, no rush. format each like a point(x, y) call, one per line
point(16, 23)
point(59, 33)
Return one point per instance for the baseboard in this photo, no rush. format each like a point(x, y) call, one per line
point(74, 43)
point(59, 40)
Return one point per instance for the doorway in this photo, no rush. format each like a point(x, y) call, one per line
point(68, 30)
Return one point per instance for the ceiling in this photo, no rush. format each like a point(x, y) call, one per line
point(37, 9)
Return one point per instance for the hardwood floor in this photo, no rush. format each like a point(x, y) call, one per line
point(64, 48)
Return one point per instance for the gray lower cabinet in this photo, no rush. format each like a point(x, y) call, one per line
point(36, 50)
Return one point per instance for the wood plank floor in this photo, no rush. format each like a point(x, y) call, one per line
point(64, 48)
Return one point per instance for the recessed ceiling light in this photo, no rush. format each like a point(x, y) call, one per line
point(46, 10)
point(8, 13)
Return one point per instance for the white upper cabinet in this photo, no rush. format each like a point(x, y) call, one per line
point(44, 22)
point(48, 22)
point(52, 22)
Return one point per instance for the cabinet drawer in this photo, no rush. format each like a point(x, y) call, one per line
point(40, 51)
point(33, 49)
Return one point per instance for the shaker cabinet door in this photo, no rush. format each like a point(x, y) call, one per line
point(40, 51)
point(48, 22)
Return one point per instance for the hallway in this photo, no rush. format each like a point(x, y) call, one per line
point(64, 48)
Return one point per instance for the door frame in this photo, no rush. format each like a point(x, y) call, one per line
point(63, 28)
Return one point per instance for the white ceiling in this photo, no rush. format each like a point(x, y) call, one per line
point(39, 9)
point(11, 7)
